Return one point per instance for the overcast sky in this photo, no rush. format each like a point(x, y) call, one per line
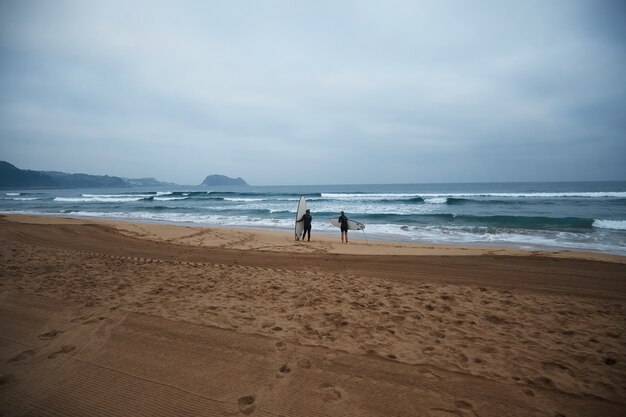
point(316, 92)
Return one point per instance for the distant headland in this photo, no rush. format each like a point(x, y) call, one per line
point(12, 177)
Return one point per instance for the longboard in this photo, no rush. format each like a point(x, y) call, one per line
point(352, 225)
point(299, 228)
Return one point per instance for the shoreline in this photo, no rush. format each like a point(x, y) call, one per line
point(237, 322)
point(279, 238)
point(535, 216)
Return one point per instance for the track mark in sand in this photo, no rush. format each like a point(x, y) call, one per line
point(64, 349)
point(144, 260)
point(22, 356)
point(50, 334)
point(246, 404)
point(329, 392)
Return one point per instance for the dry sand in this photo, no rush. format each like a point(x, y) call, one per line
point(113, 318)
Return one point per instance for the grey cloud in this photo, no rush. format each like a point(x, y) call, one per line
point(330, 92)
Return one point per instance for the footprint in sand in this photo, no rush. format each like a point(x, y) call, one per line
point(94, 320)
point(329, 392)
point(463, 409)
point(246, 404)
point(437, 412)
point(428, 350)
point(430, 375)
point(64, 349)
point(50, 334)
point(329, 358)
point(543, 381)
point(6, 379)
point(304, 363)
point(463, 405)
point(82, 318)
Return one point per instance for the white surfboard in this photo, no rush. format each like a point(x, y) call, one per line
point(352, 225)
point(299, 229)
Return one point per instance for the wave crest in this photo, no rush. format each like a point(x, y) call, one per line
point(610, 224)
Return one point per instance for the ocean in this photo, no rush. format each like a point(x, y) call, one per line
point(547, 216)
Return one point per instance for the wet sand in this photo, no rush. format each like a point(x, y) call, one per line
point(115, 318)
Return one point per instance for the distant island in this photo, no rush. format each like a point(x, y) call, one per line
point(13, 177)
point(218, 180)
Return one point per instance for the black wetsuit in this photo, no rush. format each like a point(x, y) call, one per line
point(343, 220)
point(307, 218)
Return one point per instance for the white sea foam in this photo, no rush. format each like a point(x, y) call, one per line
point(436, 200)
point(389, 196)
point(528, 239)
point(368, 196)
point(169, 198)
point(553, 195)
point(243, 199)
point(141, 196)
point(525, 239)
point(98, 199)
point(365, 208)
point(610, 224)
point(332, 207)
point(412, 216)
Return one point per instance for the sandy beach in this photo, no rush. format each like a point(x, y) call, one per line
point(114, 318)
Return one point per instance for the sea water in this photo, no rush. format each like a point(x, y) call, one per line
point(571, 215)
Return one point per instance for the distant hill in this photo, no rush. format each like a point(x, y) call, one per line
point(13, 177)
point(217, 180)
point(84, 180)
point(147, 182)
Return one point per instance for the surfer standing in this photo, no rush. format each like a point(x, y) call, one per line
point(306, 218)
point(343, 225)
